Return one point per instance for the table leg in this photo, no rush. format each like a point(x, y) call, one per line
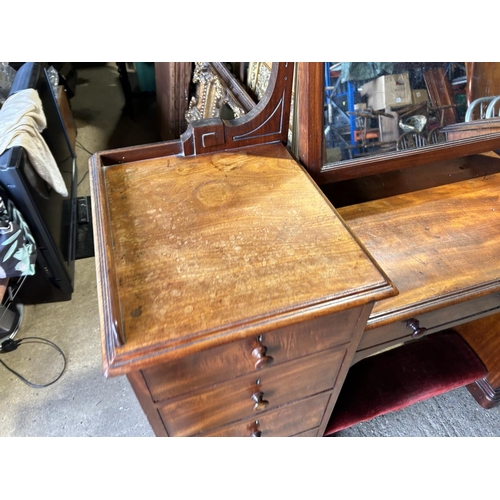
point(483, 336)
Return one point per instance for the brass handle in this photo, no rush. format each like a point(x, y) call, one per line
point(414, 326)
point(262, 360)
point(257, 434)
point(260, 404)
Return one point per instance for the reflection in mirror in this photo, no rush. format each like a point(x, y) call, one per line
point(258, 75)
point(188, 91)
point(217, 93)
point(226, 90)
point(376, 108)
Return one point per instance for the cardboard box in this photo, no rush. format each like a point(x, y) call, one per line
point(419, 95)
point(389, 91)
point(389, 127)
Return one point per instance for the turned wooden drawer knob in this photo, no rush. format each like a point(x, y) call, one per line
point(262, 360)
point(414, 326)
point(260, 404)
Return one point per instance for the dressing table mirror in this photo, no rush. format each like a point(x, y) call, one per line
point(424, 112)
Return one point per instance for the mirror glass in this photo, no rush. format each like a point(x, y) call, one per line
point(378, 108)
point(192, 91)
point(226, 90)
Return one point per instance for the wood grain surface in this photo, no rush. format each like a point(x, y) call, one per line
point(67, 116)
point(286, 421)
point(180, 376)
point(483, 79)
point(472, 129)
point(438, 245)
point(222, 246)
point(483, 336)
point(172, 97)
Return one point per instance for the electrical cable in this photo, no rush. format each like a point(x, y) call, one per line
point(10, 345)
point(83, 178)
point(78, 143)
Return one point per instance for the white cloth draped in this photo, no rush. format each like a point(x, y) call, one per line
point(21, 122)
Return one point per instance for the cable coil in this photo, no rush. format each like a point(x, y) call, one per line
point(10, 345)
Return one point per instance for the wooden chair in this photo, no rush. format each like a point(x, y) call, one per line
point(411, 140)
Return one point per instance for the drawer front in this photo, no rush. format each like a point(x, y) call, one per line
point(222, 363)
point(290, 420)
point(433, 321)
point(238, 399)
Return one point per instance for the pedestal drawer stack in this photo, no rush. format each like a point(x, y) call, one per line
point(231, 293)
point(255, 386)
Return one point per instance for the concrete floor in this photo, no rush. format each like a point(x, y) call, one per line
point(83, 402)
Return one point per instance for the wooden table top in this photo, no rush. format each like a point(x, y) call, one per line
point(439, 246)
point(222, 246)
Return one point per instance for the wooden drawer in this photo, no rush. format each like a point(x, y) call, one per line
point(432, 322)
point(290, 420)
point(232, 360)
point(231, 401)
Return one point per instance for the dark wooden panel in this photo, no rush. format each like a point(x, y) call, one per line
point(142, 393)
point(310, 104)
point(172, 96)
point(265, 123)
point(287, 421)
point(483, 79)
point(66, 115)
point(221, 363)
point(363, 189)
point(441, 94)
point(135, 153)
point(231, 401)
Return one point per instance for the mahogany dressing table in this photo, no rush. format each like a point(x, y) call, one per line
point(235, 297)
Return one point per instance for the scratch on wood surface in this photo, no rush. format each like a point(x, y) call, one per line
point(420, 261)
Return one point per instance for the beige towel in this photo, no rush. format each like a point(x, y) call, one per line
point(21, 121)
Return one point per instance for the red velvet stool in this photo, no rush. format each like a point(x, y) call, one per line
point(405, 375)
